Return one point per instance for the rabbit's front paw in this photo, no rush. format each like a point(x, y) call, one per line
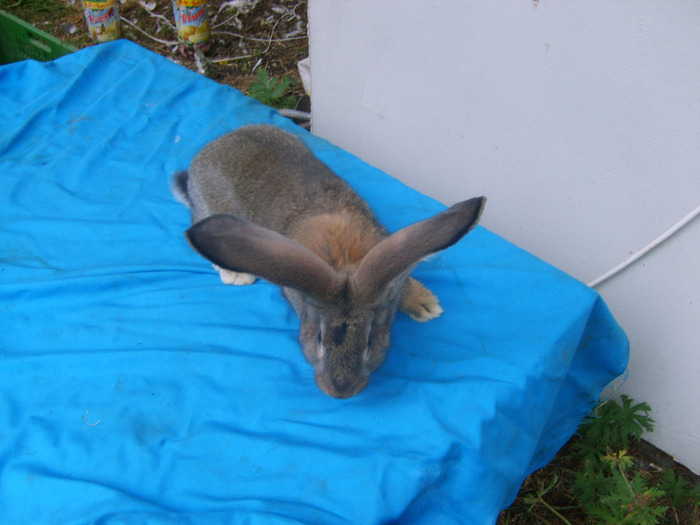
point(229, 277)
point(418, 302)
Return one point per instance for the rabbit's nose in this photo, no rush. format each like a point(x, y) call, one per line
point(341, 387)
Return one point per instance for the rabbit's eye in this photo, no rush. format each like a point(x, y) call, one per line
point(338, 333)
point(320, 350)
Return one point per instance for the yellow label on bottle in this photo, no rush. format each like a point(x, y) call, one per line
point(102, 20)
point(192, 21)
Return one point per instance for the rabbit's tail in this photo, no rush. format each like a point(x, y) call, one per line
point(178, 185)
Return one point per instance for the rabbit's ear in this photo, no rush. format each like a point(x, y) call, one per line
point(241, 246)
point(404, 249)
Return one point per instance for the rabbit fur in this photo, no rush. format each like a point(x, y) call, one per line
point(263, 205)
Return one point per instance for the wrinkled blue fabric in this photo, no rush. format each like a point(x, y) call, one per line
point(136, 388)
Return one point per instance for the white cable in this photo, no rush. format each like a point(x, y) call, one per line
point(653, 244)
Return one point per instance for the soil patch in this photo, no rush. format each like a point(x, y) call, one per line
point(246, 34)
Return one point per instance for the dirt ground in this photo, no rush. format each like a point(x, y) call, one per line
point(245, 34)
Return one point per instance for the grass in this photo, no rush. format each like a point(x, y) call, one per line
point(603, 477)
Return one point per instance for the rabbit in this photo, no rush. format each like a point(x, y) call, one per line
point(264, 206)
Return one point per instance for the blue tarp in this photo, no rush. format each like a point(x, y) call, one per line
point(136, 388)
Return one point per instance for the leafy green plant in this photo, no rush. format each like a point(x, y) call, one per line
point(605, 487)
point(613, 425)
point(678, 490)
point(610, 492)
point(273, 91)
point(595, 479)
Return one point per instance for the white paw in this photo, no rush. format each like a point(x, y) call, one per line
point(419, 302)
point(426, 311)
point(229, 277)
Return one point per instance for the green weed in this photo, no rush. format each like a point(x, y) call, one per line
point(596, 480)
point(272, 91)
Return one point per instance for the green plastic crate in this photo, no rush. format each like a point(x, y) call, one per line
point(20, 41)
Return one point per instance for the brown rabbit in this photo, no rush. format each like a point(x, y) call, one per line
point(263, 205)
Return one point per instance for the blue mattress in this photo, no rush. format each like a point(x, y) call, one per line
point(136, 388)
